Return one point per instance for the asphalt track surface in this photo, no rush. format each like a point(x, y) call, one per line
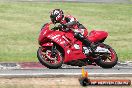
point(37, 70)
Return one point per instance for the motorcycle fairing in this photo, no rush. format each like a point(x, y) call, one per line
point(48, 44)
point(44, 33)
point(71, 53)
point(74, 53)
point(96, 36)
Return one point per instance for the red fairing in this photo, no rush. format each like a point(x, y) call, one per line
point(43, 33)
point(64, 40)
point(71, 46)
point(59, 46)
point(48, 44)
point(96, 36)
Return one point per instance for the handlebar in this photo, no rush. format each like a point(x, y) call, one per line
point(55, 28)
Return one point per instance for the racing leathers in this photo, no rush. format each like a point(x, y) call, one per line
point(80, 31)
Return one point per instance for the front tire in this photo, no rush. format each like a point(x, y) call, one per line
point(113, 59)
point(44, 57)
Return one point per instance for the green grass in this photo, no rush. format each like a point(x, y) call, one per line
point(20, 24)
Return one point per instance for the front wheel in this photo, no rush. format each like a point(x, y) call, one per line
point(106, 60)
point(46, 59)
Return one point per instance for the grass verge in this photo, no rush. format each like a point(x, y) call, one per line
point(20, 23)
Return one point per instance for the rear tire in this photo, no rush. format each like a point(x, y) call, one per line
point(43, 60)
point(114, 59)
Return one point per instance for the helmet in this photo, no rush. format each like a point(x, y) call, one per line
point(56, 16)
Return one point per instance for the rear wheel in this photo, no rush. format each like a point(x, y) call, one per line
point(46, 59)
point(107, 60)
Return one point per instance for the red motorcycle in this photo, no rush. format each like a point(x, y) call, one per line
point(58, 47)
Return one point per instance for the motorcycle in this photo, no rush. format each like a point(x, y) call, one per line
point(59, 47)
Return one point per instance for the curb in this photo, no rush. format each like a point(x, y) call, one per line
point(34, 69)
point(37, 65)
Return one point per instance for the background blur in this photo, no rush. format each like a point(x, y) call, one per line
point(21, 21)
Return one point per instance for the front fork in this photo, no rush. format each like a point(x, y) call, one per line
point(53, 51)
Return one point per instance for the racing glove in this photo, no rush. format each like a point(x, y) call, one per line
point(63, 27)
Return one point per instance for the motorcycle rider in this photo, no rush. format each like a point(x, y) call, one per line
point(67, 22)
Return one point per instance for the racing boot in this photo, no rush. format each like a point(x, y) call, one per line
point(85, 41)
